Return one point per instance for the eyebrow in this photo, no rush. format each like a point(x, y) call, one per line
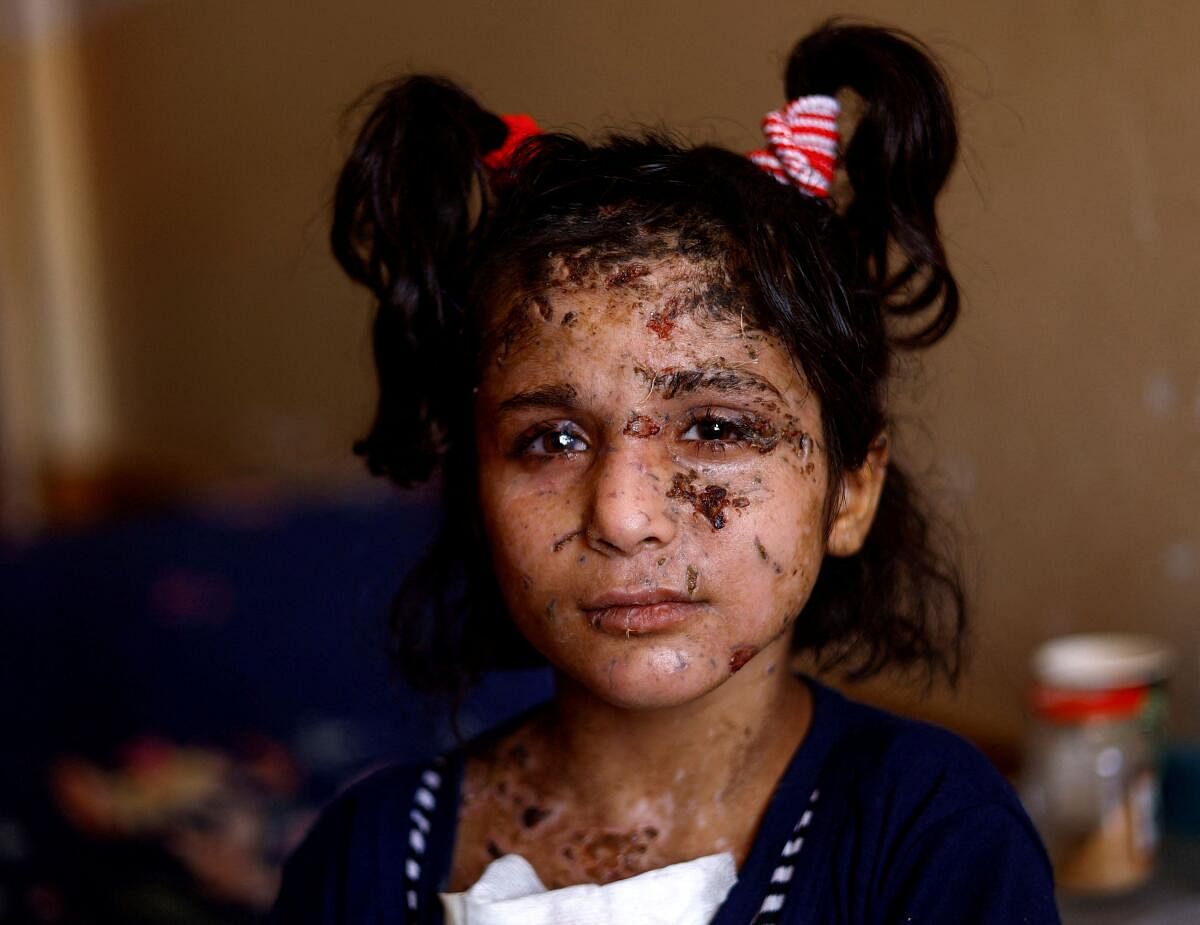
point(557, 395)
point(673, 382)
point(669, 382)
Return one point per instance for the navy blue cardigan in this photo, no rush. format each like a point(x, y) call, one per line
point(877, 819)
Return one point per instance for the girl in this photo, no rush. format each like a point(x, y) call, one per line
point(653, 377)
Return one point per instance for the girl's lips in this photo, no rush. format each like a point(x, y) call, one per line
point(641, 618)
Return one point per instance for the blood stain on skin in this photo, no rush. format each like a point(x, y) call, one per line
point(563, 540)
point(762, 551)
point(739, 657)
point(626, 275)
point(639, 425)
point(662, 325)
point(711, 501)
point(693, 579)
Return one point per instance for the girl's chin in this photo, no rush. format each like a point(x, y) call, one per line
point(652, 678)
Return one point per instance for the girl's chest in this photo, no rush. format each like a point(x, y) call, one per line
point(566, 847)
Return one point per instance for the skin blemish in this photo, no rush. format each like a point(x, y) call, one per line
point(639, 425)
point(493, 850)
point(762, 434)
point(711, 501)
point(739, 657)
point(693, 579)
point(543, 307)
point(762, 550)
point(607, 855)
point(582, 559)
point(801, 441)
point(533, 815)
point(577, 267)
point(626, 275)
point(563, 540)
point(662, 325)
point(569, 320)
point(550, 608)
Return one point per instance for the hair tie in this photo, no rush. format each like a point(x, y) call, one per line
point(802, 144)
point(520, 127)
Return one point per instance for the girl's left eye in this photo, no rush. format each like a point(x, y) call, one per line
point(715, 430)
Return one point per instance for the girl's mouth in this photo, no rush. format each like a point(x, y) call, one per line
point(639, 613)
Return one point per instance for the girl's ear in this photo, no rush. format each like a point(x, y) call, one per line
point(861, 489)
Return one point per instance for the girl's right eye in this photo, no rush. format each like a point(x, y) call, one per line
point(558, 439)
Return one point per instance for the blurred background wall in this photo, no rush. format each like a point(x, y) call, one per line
point(170, 319)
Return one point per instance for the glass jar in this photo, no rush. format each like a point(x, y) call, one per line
point(1091, 775)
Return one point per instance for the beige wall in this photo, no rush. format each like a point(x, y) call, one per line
point(1062, 418)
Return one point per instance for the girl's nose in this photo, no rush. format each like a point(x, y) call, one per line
point(628, 512)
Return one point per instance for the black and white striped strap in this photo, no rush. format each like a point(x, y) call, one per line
point(420, 815)
point(781, 876)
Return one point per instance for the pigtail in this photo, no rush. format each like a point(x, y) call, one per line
point(897, 162)
point(406, 207)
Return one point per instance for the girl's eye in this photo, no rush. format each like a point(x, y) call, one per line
point(715, 430)
point(556, 440)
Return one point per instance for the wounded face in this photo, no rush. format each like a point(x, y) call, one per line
point(651, 481)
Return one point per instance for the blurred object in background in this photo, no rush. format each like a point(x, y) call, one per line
point(183, 690)
point(1092, 779)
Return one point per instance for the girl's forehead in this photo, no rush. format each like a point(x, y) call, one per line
point(595, 320)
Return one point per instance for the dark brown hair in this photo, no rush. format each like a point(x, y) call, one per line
point(842, 284)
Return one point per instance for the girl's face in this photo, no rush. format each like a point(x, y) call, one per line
point(652, 481)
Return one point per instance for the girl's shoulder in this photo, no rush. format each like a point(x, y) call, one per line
point(924, 817)
point(372, 844)
point(892, 760)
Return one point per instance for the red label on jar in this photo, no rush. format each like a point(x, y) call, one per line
point(1068, 706)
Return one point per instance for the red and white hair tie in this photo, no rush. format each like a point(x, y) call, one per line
point(802, 144)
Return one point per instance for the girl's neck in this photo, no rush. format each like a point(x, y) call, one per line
point(590, 793)
point(727, 748)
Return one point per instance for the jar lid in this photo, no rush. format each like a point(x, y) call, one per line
point(1102, 661)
